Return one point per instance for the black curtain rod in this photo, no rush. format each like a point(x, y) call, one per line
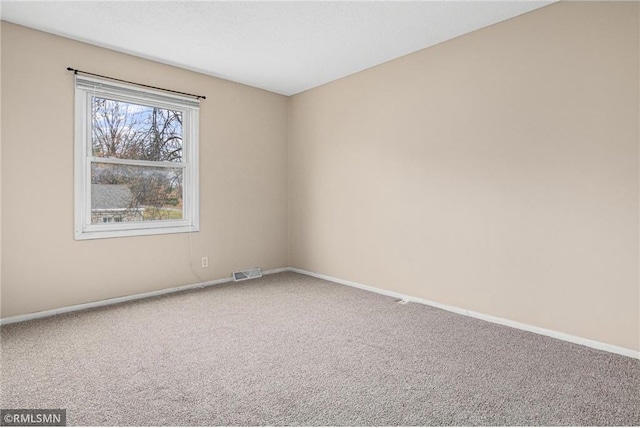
point(134, 83)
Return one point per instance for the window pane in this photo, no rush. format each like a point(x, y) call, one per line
point(132, 131)
point(123, 193)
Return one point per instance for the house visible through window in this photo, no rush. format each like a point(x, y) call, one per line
point(136, 161)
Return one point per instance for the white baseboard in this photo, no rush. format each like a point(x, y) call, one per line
point(115, 300)
point(490, 318)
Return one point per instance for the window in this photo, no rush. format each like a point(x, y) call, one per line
point(136, 161)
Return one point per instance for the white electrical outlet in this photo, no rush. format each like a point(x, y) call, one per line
point(205, 262)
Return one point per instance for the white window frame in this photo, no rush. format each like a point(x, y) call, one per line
point(86, 88)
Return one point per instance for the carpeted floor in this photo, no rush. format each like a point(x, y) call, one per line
point(293, 350)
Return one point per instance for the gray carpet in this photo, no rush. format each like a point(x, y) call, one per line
point(292, 350)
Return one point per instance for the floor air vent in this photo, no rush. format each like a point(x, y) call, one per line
point(243, 275)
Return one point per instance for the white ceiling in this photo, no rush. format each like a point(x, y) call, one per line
point(284, 47)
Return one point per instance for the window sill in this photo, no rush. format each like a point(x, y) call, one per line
point(102, 234)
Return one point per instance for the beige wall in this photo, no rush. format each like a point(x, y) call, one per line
point(497, 172)
point(243, 181)
point(0, 170)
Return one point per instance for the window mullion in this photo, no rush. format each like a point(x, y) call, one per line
point(132, 162)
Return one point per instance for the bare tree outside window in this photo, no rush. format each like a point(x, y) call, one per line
point(127, 131)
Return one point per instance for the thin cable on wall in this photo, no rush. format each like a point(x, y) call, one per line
point(75, 71)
